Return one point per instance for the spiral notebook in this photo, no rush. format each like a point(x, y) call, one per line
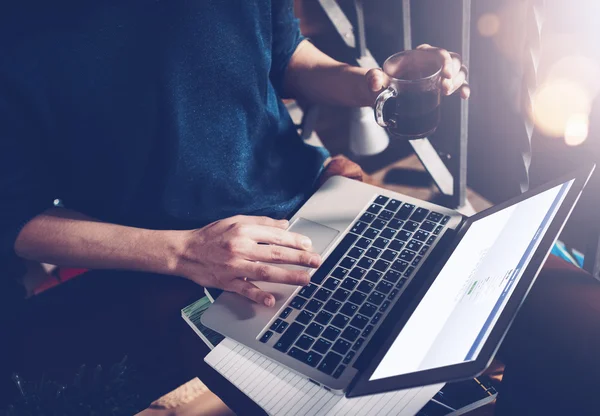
point(282, 392)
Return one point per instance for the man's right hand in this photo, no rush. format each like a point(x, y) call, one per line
point(230, 253)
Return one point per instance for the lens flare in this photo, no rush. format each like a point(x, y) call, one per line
point(555, 102)
point(488, 25)
point(578, 69)
point(577, 129)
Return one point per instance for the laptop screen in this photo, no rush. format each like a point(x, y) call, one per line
point(455, 317)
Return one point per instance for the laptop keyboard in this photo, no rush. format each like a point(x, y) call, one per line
point(355, 286)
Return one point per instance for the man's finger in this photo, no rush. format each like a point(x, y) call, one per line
point(270, 235)
point(447, 65)
point(284, 255)
point(465, 91)
point(376, 79)
point(258, 220)
point(251, 291)
point(267, 273)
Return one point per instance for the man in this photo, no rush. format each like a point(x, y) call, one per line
point(160, 125)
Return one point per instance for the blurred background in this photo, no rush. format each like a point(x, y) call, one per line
point(564, 93)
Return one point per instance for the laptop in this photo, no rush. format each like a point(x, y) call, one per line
point(409, 293)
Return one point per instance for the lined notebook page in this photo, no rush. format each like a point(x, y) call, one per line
point(281, 392)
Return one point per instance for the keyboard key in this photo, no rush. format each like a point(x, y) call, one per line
point(367, 217)
point(305, 342)
point(311, 358)
point(266, 336)
point(307, 291)
point(332, 306)
point(438, 229)
point(348, 263)
point(349, 283)
point(339, 272)
point(368, 330)
point(314, 329)
point(419, 215)
point(388, 233)
point(435, 216)
point(358, 298)
point(356, 253)
point(384, 306)
point(389, 255)
point(393, 294)
point(395, 224)
point(359, 342)
point(385, 215)
point(365, 262)
point(424, 250)
point(371, 233)
point(399, 265)
point(349, 309)
point(381, 265)
point(359, 321)
point(289, 336)
point(409, 271)
point(349, 357)
point(323, 317)
point(282, 327)
point(363, 242)
point(404, 211)
point(331, 283)
point(374, 209)
point(323, 294)
point(410, 226)
point(393, 205)
point(384, 287)
point(381, 242)
point(396, 245)
point(367, 309)
point(403, 235)
point(392, 276)
point(329, 263)
point(445, 220)
point(341, 295)
point(378, 224)
point(428, 226)
point(414, 245)
point(285, 313)
point(304, 317)
point(381, 200)
point(365, 287)
point(340, 321)
point(331, 333)
point(407, 255)
point(275, 324)
point(338, 371)
point(373, 276)
point(431, 239)
point(357, 273)
point(376, 318)
point(322, 345)
point(401, 283)
point(373, 252)
point(329, 363)
point(421, 235)
point(417, 260)
point(351, 334)
point(359, 227)
point(376, 298)
point(342, 346)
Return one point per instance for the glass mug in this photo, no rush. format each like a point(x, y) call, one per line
point(410, 107)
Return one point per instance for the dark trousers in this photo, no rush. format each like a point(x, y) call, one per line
point(551, 351)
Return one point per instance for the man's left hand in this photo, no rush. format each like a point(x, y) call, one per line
point(454, 75)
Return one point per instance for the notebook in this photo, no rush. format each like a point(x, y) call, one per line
point(281, 392)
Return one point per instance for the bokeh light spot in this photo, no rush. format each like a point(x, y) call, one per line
point(577, 129)
point(488, 25)
point(579, 69)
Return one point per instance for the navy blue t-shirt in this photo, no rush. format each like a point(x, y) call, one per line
point(163, 114)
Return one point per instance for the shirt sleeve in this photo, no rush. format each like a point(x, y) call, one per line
point(286, 37)
point(25, 180)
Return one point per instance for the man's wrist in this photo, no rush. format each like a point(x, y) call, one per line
point(359, 91)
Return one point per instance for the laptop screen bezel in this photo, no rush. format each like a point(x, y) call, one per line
point(401, 312)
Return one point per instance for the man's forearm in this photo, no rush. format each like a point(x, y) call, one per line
point(314, 76)
point(67, 238)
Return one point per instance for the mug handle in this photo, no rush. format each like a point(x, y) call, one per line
point(382, 98)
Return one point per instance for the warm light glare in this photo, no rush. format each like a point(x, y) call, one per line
point(577, 129)
point(488, 25)
point(556, 102)
point(578, 69)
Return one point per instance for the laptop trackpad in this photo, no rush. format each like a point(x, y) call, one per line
point(320, 235)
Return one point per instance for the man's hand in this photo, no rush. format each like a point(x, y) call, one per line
point(454, 75)
point(230, 253)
